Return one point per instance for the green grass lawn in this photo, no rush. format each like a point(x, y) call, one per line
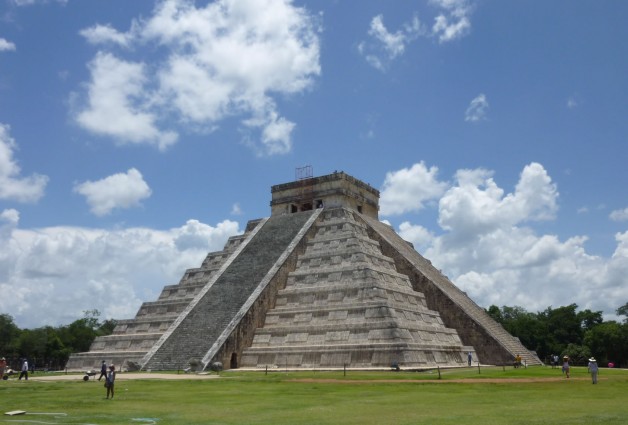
point(495, 396)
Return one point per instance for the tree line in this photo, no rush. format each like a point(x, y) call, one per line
point(49, 348)
point(560, 331)
point(565, 331)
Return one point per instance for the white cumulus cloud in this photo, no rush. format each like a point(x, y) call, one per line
point(103, 34)
point(122, 190)
point(117, 104)
point(477, 205)
point(384, 46)
point(421, 237)
point(225, 59)
point(6, 45)
point(51, 275)
point(454, 22)
point(409, 189)
point(12, 186)
point(488, 249)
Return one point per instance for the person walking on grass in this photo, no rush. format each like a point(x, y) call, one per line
point(24, 372)
point(103, 370)
point(110, 381)
point(593, 369)
point(566, 366)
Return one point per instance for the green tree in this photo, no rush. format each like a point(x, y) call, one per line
point(525, 326)
point(589, 319)
point(578, 354)
point(623, 311)
point(31, 344)
point(9, 332)
point(609, 342)
point(107, 327)
point(78, 335)
point(495, 313)
point(91, 318)
point(562, 327)
point(56, 353)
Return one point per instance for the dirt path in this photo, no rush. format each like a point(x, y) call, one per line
point(205, 376)
point(439, 381)
point(125, 376)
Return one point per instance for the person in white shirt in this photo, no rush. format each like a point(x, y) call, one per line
point(593, 369)
point(24, 371)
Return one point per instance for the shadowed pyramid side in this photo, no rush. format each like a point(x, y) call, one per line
point(493, 343)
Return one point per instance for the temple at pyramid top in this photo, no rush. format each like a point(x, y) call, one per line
point(331, 191)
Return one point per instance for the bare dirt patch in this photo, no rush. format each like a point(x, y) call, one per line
point(126, 376)
point(438, 381)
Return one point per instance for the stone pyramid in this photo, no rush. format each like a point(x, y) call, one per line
point(321, 283)
point(346, 304)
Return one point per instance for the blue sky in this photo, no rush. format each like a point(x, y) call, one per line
point(137, 136)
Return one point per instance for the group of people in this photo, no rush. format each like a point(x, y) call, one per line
point(109, 373)
point(592, 367)
point(110, 377)
point(554, 360)
point(23, 371)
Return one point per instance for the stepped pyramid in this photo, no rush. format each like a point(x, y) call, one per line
point(321, 283)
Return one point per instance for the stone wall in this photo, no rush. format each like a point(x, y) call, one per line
point(333, 190)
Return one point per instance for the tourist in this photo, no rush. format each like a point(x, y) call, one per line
point(593, 369)
point(103, 370)
point(3, 366)
point(110, 380)
point(517, 362)
point(469, 358)
point(566, 366)
point(24, 371)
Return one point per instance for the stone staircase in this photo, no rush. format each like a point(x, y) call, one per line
point(346, 304)
point(206, 318)
point(493, 343)
point(133, 338)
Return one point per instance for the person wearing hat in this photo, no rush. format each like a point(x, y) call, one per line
point(111, 379)
point(103, 370)
point(566, 366)
point(593, 369)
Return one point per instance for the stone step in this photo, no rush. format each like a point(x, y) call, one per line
point(367, 302)
point(235, 284)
